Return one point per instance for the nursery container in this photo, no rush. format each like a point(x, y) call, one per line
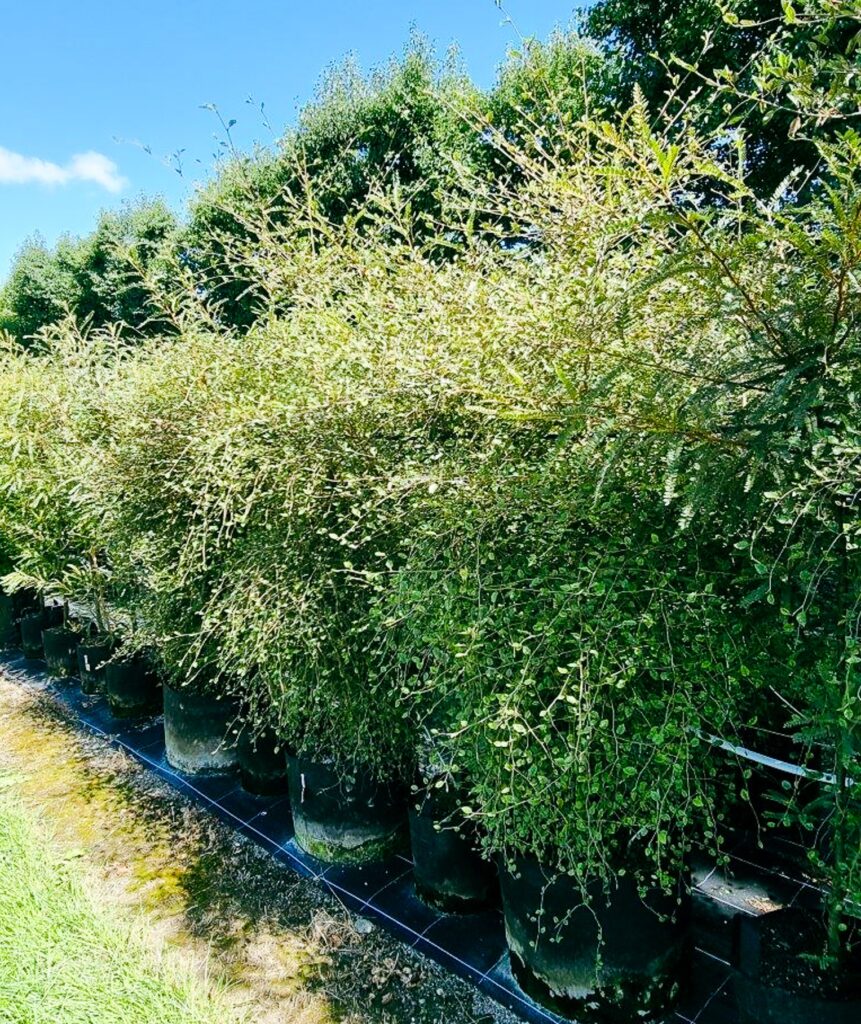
point(762, 795)
point(132, 688)
point(53, 615)
point(9, 635)
point(60, 645)
point(619, 959)
point(31, 625)
point(776, 979)
point(345, 817)
point(262, 762)
point(91, 665)
point(26, 600)
point(450, 874)
point(198, 731)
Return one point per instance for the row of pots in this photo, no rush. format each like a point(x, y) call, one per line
point(554, 930)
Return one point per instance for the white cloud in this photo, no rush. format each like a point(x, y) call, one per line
point(16, 169)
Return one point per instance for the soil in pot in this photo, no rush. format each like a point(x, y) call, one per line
point(60, 645)
point(618, 959)
point(92, 656)
point(778, 979)
point(198, 731)
point(345, 817)
point(450, 874)
point(262, 762)
point(132, 688)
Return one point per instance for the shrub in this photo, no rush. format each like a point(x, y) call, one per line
point(51, 541)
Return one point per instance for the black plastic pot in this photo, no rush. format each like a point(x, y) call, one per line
point(26, 600)
point(91, 665)
point(132, 688)
point(262, 762)
point(9, 635)
point(197, 731)
point(345, 817)
point(53, 615)
point(31, 625)
point(619, 959)
point(32, 617)
point(60, 645)
point(450, 874)
point(777, 981)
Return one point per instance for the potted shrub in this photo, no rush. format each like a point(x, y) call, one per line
point(72, 646)
point(33, 624)
point(13, 606)
point(348, 776)
point(758, 423)
point(9, 635)
point(131, 682)
point(200, 710)
point(342, 814)
point(43, 528)
point(802, 964)
point(721, 356)
point(200, 725)
point(277, 609)
point(261, 753)
point(576, 653)
point(96, 648)
point(96, 589)
point(308, 676)
point(60, 644)
point(450, 872)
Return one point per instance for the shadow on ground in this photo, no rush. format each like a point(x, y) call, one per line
point(288, 951)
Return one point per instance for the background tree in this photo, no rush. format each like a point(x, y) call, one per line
point(542, 89)
point(105, 278)
point(41, 288)
point(397, 129)
point(724, 40)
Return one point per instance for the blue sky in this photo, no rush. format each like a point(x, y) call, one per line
point(85, 86)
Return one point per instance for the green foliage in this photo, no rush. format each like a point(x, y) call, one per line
point(52, 537)
point(569, 659)
point(566, 505)
point(41, 289)
point(398, 147)
point(725, 59)
point(400, 129)
point(105, 279)
point(542, 91)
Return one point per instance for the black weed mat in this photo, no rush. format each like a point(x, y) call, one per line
point(472, 946)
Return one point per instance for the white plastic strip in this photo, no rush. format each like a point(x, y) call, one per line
point(787, 767)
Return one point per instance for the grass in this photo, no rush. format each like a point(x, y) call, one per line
point(64, 961)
